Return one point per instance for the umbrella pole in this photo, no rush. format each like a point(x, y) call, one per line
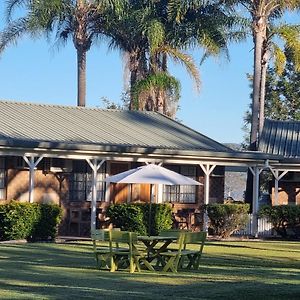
point(151, 200)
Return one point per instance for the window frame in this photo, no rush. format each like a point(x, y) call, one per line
point(84, 193)
point(176, 193)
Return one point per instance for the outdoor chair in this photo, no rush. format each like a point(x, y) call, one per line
point(132, 256)
point(192, 256)
point(172, 232)
point(180, 220)
point(176, 259)
point(101, 251)
point(100, 239)
point(172, 258)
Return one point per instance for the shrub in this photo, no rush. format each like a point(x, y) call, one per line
point(135, 217)
point(28, 221)
point(225, 219)
point(161, 217)
point(284, 218)
point(47, 225)
point(17, 220)
point(128, 217)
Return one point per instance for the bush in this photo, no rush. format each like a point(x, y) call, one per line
point(17, 220)
point(47, 225)
point(135, 217)
point(284, 218)
point(28, 221)
point(161, 217)
point(128, 217)
point(225, 219)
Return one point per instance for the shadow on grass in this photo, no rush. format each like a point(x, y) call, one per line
point(274, 246)
point(50, 271)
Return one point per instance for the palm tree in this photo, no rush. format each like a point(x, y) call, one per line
point(142, 37)
point(75, 19)
point(263, 15)
point(290, 38)
point(153, 32)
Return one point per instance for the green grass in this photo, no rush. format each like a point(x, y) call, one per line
point(229, 270)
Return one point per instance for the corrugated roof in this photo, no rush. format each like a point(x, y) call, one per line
point(281, 138)
point(80, 126)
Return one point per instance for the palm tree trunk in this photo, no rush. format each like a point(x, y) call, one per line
point(259, 37)
point(262, 97)
point(81, 76)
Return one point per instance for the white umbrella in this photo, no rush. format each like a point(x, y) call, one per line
point(151, 174)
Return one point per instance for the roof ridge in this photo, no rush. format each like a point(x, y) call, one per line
point(27, 103)
point(282, 121)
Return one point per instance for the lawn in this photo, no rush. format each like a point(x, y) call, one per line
point(229, 270)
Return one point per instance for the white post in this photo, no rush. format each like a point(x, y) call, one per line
point(107, 186)
point(129, 194)
point(32, 163)
point(276, 187)
point(159, 193)
point(207, 169)
point(277, 178)
point(95, 166)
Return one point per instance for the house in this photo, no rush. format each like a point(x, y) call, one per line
point(282, 138)
point(60, 154)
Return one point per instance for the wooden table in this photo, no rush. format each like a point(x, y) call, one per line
point(151, 241)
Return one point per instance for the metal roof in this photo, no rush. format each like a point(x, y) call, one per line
point(281, 138)
point(34, 125)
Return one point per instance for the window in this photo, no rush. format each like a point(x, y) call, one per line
point(2, 178)
point(81, 181)
point(182, 193)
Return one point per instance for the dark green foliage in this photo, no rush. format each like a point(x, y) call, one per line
point(127, 217)
point(283, 93)
point(161, 217)
point(225, 219)
point(284, 218)
point(46, 226)
point(28, 221)
point(135, 217)
point(17, 220)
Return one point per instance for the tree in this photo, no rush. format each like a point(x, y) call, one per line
point(263, 14)
point(69, 19)
point(283, 92)
point(142, 34)
point(153, 32)
point(282, 99)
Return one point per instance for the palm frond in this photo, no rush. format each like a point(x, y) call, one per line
point(186, 60)
point(12, 5)
point(13, 32)
point(154, 83)
point(279, 59)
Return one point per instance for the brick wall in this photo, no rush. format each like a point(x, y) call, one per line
point(288, 193)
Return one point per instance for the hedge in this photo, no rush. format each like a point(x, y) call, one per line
point(225, 219)
point(31, 221)
point(135, 217)
point(284, 218)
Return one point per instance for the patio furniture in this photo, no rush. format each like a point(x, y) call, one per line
point(193, 256)
point(172, 258)
point(102, 252)
point(197, 222)
point(132, 256)
point(151, 242)
point(103, 220)
point(185, 217)
point(176, 259)
point(100, 240)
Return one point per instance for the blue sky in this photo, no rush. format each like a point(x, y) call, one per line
point(33, 71)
